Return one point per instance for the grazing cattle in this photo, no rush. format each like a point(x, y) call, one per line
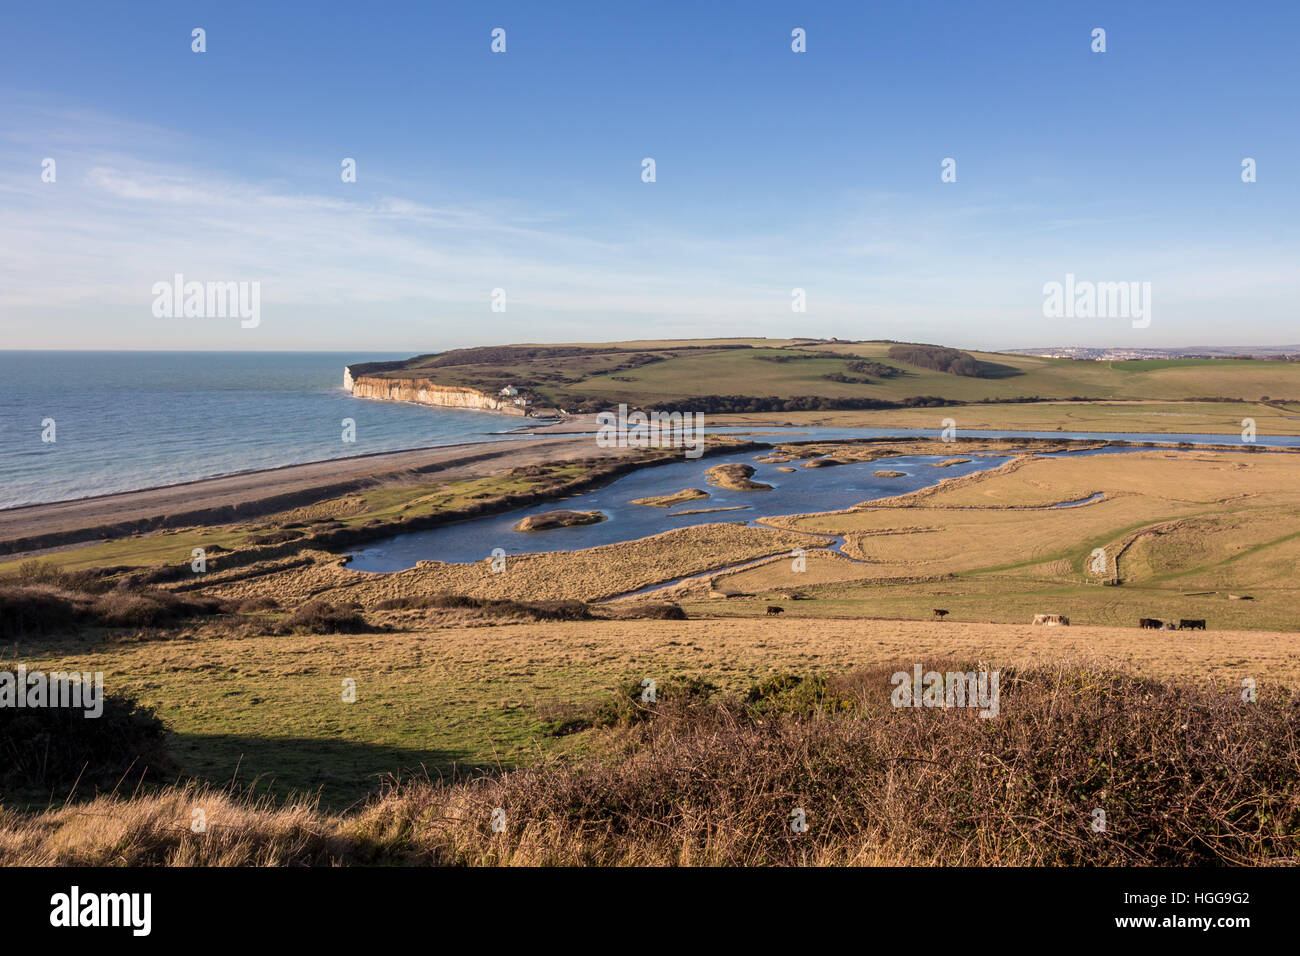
point(1189, 625)
point(940, 614)
point(1052, 620)
point(1150, 622)
point(773, 609)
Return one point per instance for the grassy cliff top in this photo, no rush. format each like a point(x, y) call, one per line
point(842, 374)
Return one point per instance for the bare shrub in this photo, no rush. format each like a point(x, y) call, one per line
point(653, 611)
point(149, 607)
point(44, 747)
point(322, 617)
point(261, 602)
point(30, 610)
point(490, 607)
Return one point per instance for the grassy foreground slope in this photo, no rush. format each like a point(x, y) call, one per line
point(441, 692)
point(649, 373)
point(1186, 773)
point(446, 686)
point(441, 685)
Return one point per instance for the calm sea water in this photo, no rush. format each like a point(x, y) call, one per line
point(126, 420)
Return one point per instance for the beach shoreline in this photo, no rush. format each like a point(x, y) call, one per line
point(226, 498)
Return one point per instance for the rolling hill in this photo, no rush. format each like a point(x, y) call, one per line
point(794, 374)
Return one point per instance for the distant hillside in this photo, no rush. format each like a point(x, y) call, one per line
point(722, 375)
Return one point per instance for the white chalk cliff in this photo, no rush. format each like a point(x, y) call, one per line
point(422, 391)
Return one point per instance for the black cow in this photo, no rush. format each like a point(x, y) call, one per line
point(773, 609)
point(1190, 625)
point(1150, 622)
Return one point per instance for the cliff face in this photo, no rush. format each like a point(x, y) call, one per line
point(424, 392)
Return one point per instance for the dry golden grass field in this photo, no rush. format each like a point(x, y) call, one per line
point(1181, 533)
point(588, 575)
point(1187, 417)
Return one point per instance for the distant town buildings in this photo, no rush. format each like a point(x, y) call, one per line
point(1080, 354)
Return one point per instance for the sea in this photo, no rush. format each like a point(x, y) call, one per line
point(129, 420)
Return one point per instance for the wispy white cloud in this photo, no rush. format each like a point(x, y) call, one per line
point(348, 266)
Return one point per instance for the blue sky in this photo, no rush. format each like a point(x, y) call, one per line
point(522, 171)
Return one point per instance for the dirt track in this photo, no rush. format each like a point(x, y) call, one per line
point(236, 497)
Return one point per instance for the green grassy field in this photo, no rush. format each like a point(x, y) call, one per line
point(645, 373)
point(746, 372)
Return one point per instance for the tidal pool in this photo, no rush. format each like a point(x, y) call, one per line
point(796, 492)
